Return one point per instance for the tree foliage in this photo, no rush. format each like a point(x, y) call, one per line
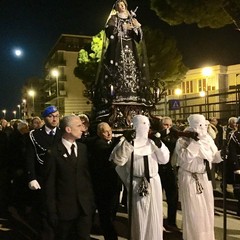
point(165, 61)
point(205, 13)
point(88, 61)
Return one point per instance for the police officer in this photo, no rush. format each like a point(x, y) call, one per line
point(40, 141)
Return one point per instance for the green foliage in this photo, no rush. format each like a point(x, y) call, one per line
point(165, 61)
point(210, 13)
point(88, 61)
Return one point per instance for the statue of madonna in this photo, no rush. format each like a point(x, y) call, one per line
point(123, 77)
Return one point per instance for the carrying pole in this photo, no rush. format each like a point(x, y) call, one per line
point(224, 184)
point(130, 197)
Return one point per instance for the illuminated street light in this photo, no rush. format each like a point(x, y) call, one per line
point(4, 113)
point(55, 73)
point(24, 109)
point(32, 94)
point(202, 94)
point(19, 111)
point(178, 91)
point(14, 114)
point(207, 72)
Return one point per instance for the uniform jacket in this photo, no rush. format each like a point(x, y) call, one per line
point(38, 144)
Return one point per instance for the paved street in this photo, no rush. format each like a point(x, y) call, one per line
point(15, 228)
point(233, 224)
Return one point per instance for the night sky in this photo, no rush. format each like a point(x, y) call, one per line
point(35, 25)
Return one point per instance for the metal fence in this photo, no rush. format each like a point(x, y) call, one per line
point(220, 103)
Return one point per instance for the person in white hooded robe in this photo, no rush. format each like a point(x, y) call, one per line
point(195, 158)
point(147, 214)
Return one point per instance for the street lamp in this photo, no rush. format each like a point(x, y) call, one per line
point(19, 111)
point(207, 72)
point(202, 94)
point(4, 113)
point(55, 73)
point(14, 114)
point(24, 109)
point(32, 94)
point(178, 91)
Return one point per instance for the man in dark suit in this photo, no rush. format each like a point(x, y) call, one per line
point(167, 174)
point(4, 175)
point(40, 140)
point(106, 182)
point(69, 194)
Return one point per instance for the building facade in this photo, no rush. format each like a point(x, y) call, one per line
point(63, 89)
point(212, 91)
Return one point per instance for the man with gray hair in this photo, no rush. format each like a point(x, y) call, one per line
point(106, 182)
point(69, 194)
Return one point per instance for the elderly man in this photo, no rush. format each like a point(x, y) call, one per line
point(40, 141)
point(69, 194)
point(168, 175)
point(106, 182)
point(233, 163)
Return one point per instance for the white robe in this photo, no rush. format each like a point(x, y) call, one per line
point(147, 215)
point(197, 208)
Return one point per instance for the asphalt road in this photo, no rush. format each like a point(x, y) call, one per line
point(14, 227)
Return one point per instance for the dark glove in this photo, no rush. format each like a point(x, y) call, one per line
point(53, 220)
point(156, 139)
point(129, 135)
point(193, 135)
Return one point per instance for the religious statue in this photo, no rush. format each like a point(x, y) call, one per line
point(123, 80)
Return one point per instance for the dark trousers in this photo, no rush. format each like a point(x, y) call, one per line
point(169, 184)
point(39, 219)
point(76, 229)
point(107, 205)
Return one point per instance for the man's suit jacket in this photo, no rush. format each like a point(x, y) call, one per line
point(104, 176)
point(37, 146)
point(68, 184)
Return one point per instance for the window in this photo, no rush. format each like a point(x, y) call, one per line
point(187, 87)
point(202, 85)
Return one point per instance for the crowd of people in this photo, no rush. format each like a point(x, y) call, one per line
point(57, 172)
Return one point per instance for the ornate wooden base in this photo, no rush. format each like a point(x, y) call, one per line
point(121, 115)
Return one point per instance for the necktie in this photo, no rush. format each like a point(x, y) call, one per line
point(51, 133)
point(73, 155)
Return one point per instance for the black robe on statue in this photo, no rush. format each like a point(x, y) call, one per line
point(123, 78)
